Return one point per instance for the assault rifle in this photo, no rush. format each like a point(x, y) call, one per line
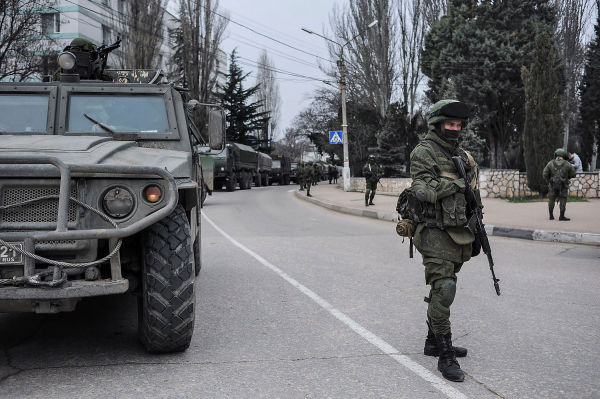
point(99, 57)
point(475, 224)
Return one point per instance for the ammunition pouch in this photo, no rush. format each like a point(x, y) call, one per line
point(449, 211)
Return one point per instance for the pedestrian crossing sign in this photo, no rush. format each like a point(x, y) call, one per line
point(335, 138)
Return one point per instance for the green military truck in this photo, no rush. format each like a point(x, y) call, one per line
point(281, 170)
point(237, 164)
point(294, 175)
point(100, 194)
point(265, 164)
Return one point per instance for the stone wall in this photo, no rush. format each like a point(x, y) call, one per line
point(512, 183)
point(392, 186)
point(493, 183)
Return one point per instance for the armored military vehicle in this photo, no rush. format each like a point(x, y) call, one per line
point(238, 163)
point(265, 164)
point(100, 194)
point(208, 172)
point(281, 170)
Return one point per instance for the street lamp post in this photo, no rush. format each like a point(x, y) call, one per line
point(340, 63)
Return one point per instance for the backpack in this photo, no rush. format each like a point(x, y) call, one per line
point(557, 180)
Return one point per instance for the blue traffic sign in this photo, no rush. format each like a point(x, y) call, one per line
point(336, 138)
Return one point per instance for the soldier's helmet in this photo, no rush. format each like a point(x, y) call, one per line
point(561, 153)
point(449, 110)
point(80, 44)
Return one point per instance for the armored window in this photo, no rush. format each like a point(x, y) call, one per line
point(88, 113)
point(276, 164)
point(23, 113)
point(50, 23)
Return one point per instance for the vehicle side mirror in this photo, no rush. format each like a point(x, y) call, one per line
point(216, 129)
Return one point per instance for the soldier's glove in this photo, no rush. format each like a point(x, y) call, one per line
point(460, 183)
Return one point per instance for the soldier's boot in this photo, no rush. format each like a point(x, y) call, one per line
point(366, 201)
point(371, 199)
point(562, 216)
point(301, 188)
point(551, 215)
point(431, 346)
point(447, 362)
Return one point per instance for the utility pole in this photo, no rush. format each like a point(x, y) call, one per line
point(340, 63)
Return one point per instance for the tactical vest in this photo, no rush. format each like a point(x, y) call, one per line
point(450, 211)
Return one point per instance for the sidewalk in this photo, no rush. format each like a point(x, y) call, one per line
point(502, 218)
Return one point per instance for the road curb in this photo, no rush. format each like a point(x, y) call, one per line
point(499, 231)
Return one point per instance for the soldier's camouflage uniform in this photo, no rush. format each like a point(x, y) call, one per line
point(562, 169)
point(372, 173)
point(444, 251)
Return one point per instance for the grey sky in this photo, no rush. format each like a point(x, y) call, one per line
point(281, 20)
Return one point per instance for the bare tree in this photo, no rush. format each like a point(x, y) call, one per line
point(574, 18)
point(412, 28)
point(25, 41)
point(433, 10)
point(197, 43)
point(370, 54)
point(293, 144)
point(268, 94)
point(141, 26)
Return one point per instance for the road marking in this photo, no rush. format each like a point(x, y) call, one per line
point(291, 191)
point(386, 348)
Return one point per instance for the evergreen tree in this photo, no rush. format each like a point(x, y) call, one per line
point(391, 140)
point(481, 46)
point(244, 119)
point(589, 107)
point(543, 120)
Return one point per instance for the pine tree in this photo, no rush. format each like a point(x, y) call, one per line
point(481, 46)
point(543, 120)
point(244, 119)
point(391, 140)
point(589, 107)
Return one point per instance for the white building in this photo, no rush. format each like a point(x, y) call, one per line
point(100, 22)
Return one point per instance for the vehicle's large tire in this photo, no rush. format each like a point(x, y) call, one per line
point(257, 180)
point(243, 180)
point(265, 179)
point(231, 183)
point(286, 180)
point(197, 247)
point(166, 308)
point(249, 180)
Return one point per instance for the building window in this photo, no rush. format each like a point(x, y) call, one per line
point(49, 64)
point(105, 2)
point(121, 6)
point(50, 23)
point(105, 34)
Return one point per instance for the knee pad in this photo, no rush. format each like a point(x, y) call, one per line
point(448, 292)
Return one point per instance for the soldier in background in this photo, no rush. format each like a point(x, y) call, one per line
point(335, 173)
point(557, 173)
point(309, 176)
point(301, 172)
point(316, 174)
point(330, 173)
point(372, 172)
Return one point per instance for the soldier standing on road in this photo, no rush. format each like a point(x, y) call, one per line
point(558, 172)
point(441, 239)
point(372, 173)
point(301, 176)
point(330, 173)
point(335, 174)
point(309, 176)
point(316, 174)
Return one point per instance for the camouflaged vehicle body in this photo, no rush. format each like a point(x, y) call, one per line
point(85, 165)
point(281, 170)
point(238, 165)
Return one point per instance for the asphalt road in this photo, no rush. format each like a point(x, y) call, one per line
point(297, 301)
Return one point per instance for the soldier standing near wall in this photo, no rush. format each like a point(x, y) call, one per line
point(558, 172)
point(372, 173)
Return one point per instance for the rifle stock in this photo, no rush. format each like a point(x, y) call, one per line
point(480, 227)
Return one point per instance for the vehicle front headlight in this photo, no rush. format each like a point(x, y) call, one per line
point(118, 202)
point(67, 60)
point(222, 168)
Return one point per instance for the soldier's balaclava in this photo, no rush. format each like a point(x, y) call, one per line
point(445, 110)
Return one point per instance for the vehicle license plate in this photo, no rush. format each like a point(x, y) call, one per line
point(10, 256)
